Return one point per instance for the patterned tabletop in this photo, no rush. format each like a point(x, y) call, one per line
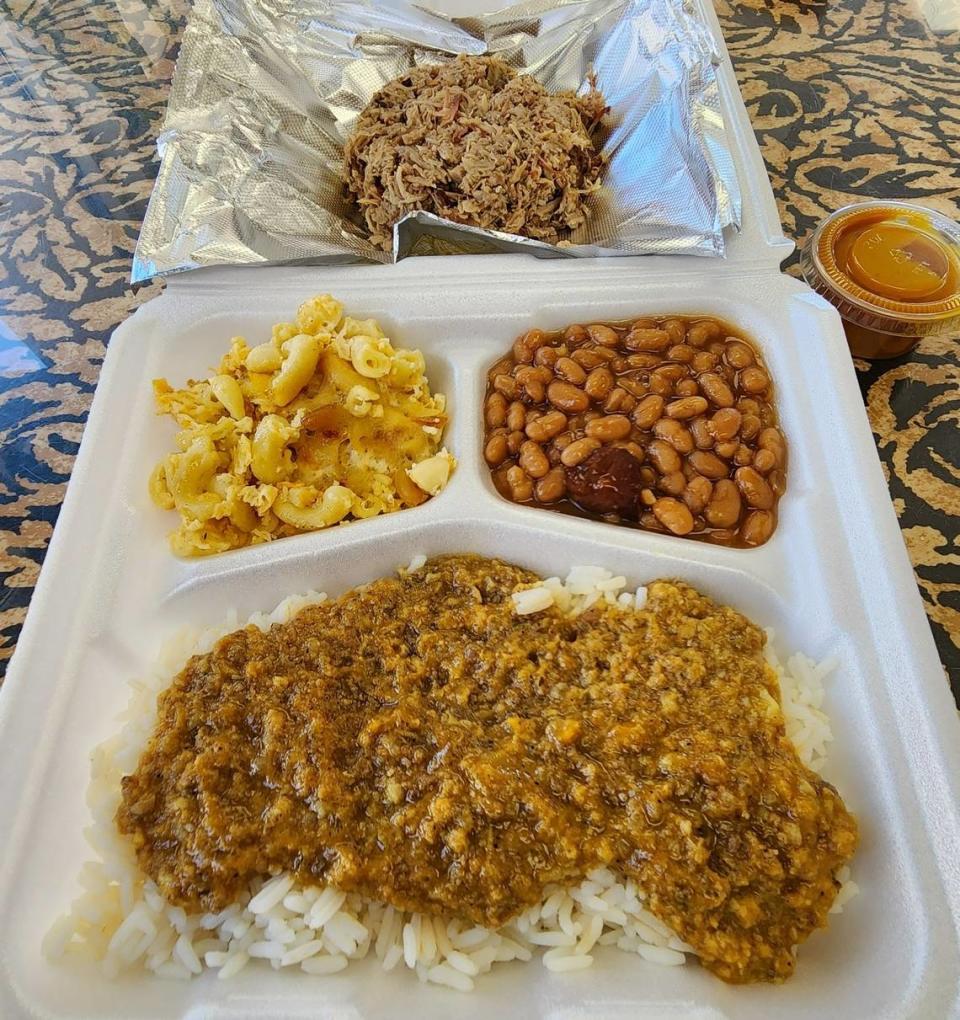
point(850, 99)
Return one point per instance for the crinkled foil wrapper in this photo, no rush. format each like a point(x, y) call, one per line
point(266, 93)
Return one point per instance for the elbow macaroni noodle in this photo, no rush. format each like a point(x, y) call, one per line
point(323, 423)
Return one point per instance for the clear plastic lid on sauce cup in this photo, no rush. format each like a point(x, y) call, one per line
point(891, 269)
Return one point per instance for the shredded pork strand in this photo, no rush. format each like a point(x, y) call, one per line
point(478, 144)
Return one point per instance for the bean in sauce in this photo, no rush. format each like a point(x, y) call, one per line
point(663, 423)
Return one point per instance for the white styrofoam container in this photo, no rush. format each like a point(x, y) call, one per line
point(834, 579)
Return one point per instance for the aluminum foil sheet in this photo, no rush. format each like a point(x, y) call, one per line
point(266, 93)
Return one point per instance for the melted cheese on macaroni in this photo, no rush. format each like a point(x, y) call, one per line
point(323, 423)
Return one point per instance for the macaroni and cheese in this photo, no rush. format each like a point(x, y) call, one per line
point(324, 422)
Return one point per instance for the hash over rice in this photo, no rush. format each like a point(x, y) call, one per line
point(121, 920)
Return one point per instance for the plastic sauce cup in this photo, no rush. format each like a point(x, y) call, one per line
point(892, 271)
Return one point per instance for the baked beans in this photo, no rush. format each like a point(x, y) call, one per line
point(663, 423)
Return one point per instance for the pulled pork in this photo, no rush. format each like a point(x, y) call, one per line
point(478, 144)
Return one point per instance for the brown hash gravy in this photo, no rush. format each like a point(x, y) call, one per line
point(419, 742)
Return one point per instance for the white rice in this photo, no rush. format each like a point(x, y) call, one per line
point(121, 920)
